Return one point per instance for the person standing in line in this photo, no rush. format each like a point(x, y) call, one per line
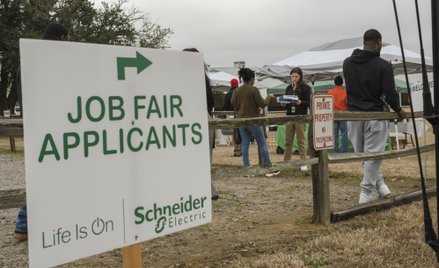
point(247, 102)
point(210, 104)
point(339, 95)
point(297, 107)
point(56, 32)
point(370, 86)
point(228, 106)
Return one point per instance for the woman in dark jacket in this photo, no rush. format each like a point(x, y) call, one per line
point(297, 107)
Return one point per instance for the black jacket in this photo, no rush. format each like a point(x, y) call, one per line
point(369, 82)
point(209, 95)
point(304, 94)
point(228, 106)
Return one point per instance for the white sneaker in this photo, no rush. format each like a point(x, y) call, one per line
point(272, 172)
point(383, 191)
point(304, 168)
point(365, 197)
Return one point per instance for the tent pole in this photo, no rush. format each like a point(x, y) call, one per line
point(435, 48)
point(435, 36)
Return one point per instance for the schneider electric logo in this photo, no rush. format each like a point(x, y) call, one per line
point(184, 212)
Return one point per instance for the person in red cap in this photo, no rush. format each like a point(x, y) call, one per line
point(228, 106)
point(234, 82)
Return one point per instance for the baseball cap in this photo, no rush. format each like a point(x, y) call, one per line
point(234, 82)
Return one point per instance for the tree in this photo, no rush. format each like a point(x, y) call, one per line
point(111, 24)
point(11, 17)
point(116, 25)
point(78, 16)
point(153, 35)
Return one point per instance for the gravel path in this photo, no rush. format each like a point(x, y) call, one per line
point(12, 254)
point(254, 215)
point(11, 171)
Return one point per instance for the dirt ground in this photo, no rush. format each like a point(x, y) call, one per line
point(254, 216)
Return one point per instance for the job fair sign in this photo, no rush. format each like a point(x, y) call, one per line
point(116, 146)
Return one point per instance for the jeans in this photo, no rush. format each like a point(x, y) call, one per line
point(21, 222)
point(258, 133)
point(341, 126)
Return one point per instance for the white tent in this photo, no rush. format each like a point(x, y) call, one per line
point(326, 61)
point(220, 78)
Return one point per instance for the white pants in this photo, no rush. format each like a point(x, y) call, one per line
point(369, 137)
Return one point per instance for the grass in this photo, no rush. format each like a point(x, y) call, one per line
point(386, 239)
point(5, 147)
point(391, 238)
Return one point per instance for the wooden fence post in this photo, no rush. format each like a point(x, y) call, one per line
point(12, 143)
point(132, 256)
point(320, 188)
point(320, 182)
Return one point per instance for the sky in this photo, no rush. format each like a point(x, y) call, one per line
point(262, 32)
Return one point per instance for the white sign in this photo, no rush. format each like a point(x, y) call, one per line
point(323, 121)
point(117, 149)
point(417, 96)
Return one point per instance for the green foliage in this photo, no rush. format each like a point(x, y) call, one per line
point(315, 263)
point(10, 22)
point(114, 25)
point(111, 24)
point(78, 16)
point(153, 35)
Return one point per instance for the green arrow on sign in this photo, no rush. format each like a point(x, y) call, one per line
point(140, 62)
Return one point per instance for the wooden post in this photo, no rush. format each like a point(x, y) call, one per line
point(320, 188)
point(12, 143)
point(132, 256)
point(320, 182)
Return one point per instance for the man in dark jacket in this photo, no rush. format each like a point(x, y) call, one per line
point(370, 87)
point(210, 105)
point(228, 106)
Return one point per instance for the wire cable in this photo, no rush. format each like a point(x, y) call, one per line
point(430, 235)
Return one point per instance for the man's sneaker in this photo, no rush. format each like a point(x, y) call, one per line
point(20, 236)
point(383, 191)
point(365, 197)
point(304, 168)
point(272, 172)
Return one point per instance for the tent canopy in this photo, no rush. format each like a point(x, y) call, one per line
point(218, 78)
point(326, 61)
point(325, 85)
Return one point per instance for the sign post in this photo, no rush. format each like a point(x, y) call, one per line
point(117, 147)
point(323, 139)
point(132, 256)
